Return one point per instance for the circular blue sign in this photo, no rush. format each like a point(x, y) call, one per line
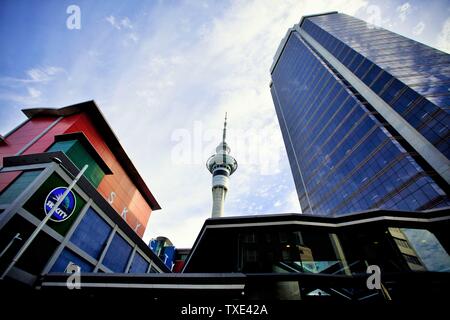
point(65, 209)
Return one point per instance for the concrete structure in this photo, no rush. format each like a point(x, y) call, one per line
point(222, 165)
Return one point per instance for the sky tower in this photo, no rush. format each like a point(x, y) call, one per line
point(221, 165)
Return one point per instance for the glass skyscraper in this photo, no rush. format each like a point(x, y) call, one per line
point(364, 114)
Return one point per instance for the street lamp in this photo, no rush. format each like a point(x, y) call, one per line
point(46, 218)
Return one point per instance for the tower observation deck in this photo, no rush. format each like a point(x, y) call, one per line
point(222, 165)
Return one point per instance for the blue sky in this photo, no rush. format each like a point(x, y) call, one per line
point(165, 72)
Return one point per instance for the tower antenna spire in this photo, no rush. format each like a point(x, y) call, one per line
point(224, 129)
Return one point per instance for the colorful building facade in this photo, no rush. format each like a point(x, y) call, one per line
point(72, 130)
point(100, 223)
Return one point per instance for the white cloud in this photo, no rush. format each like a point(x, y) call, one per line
point(112, 20)
point(34, 93)
point(403, 11)
point(27, 91)
point(43, 74)
point(133, 37)
point(52, 70)
point(37, 75)
point(124, 23)
point(293, 203)
point(418, 29)
point(443, 38)
point(21, 99)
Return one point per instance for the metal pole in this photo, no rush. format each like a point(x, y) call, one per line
point(17, 236)
point(43, 222)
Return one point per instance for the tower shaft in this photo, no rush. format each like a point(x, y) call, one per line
point(218, 194)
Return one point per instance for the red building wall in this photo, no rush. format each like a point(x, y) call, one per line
point(19, 138)
point(178, 266)
point(126, 194)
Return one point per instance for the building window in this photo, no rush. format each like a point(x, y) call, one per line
point(18, 186)
point(91, 234)
point(429, 250)
point(411, 259)
point(402, 243)
point(139, 265)
point(118, 253)
point(66, 257)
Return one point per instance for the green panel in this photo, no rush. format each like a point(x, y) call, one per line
point(80, 157)
point(96, 174)
point(35, 205)
point(62, 146)
point(18, 186)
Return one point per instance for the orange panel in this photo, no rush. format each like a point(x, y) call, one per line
point(127, 195)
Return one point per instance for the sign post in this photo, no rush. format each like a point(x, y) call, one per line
point(43, 222)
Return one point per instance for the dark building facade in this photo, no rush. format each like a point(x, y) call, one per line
point(304, 257)
point(301, 257)
point(364, 114)
point(99, 225)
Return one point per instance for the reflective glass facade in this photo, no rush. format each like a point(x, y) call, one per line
point(296, 252)
point(344, 156)
point(411, 77)
point(89, 241)
point(139, 265)
point(321, 252)
point(293, 243)
point(92, 234)
point(68, 257)
point(117, 255)
point(19, 184)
